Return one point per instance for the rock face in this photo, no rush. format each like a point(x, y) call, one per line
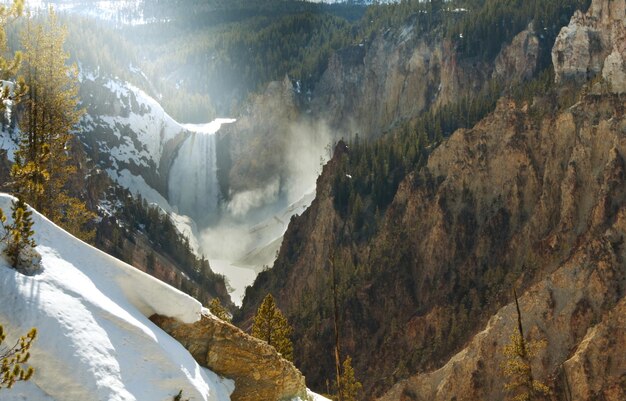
point(579, 311)
point(597, 367)
point(514, 201)
point(366, 89)
point(259, 372)
point(518, 61)
point(594, 43)
point(369, 87)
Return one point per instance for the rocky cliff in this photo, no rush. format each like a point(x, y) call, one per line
point(570, 176)
point(259, 371)
point(578, 311)
point(594, 43)
point(529, 198)
point(503, 205)
point(369, 87)
point(518, 61)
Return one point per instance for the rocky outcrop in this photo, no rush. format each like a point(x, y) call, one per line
point(371, 86)
point(259, 371)
point(518, 61)
point(614, 71)
point(578, 307)
point(505, 204)
point(594, 43)
point(598, 367)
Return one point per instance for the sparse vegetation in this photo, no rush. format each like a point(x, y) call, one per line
point(13, 359)
point(219, 311)
point(18, 236)
point(522, 385)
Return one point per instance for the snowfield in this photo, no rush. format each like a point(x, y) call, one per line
point(95, 340)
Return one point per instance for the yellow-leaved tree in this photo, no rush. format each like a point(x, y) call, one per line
point(13, 359)
point(216, 308)
point(271, 326)
point(349, 387)
point(522, 385)
point(43, 168)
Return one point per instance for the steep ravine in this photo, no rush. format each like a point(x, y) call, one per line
point(501, 205)
point(530, 198)
point(367, 89)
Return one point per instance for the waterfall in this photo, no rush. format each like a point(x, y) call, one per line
point(193, 188)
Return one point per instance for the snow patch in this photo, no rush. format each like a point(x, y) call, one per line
point(314, 397)
point(95, 340)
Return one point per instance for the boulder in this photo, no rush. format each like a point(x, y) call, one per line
point(259, 371)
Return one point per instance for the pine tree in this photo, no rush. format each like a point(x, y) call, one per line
point(522, 385)
point(10, 94)
point(151, 262)
point(12, 360)
point(43, 166)
point(19, 234)
point(271, 326)
point(219, 311)
point(349, 387)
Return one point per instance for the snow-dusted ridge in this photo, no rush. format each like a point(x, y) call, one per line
point(95, 339)
point(132, 135)
point(130, 110)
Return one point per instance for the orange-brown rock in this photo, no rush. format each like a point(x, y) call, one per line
point(502, 205)
point(259, 371)
point(576, 310)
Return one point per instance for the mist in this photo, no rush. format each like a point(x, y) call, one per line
point(253, 220)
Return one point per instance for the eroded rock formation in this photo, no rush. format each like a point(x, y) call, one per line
point(518, 61)
point(369, 87)
point(594, 43)
point(259, 372)
point(578, 310)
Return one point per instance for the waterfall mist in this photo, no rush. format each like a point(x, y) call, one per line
point(256, 218)
point(193, 188)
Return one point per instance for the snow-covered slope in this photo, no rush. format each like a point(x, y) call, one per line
point(145, 150)
point(95, 340)
point(126, 124)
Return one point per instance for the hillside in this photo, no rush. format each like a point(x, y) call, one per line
point(407, 167)
point(99, 335)
point(121, 142)
point(95, 339)
point(529, 198)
